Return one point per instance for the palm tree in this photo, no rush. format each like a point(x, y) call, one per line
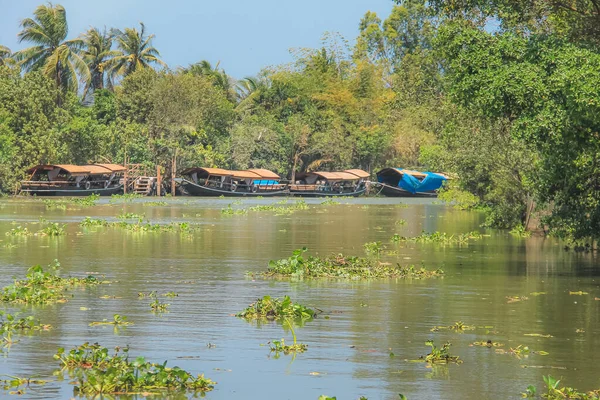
point(56, 57)
point(217, 75)
point(135, 51)
point(249, 90)
point(96, 53)
point(5, 54)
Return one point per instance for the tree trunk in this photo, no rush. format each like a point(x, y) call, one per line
point(173, 169)
point(293, 180)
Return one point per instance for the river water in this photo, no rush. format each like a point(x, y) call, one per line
point(350, 345)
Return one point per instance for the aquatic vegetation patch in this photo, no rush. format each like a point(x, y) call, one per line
point(96, 371)
point(91, 222)
point(130, 215)
point(330, 202)
point(233, 211)
point(555, 392)
point(578, 293)
point(118, 320)
point(155, 203)
point(279, 346)
point(43, 286)
point(53, 229)
point(488, 344)
point(270, 308)
point(521, 351)
point(19, 231)
point(439, 355)
point(520, 231)
point(340, 266)
point(457, 327)
point(61, 204)
point(127, 197)
point(439, 237)
point(516, 299)
point(16, 382)
point(278, 208)
point(12, 323)
point(373, 248)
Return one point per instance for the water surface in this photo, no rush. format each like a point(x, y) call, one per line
point(349, 353)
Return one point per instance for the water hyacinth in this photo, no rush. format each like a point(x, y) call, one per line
point(340, 266)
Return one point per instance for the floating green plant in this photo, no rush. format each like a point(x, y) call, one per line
point(330, 202)
point(400, 222)
point(43, 286)
point(520, 231)
point(130, 215)
point(61, 204)
point(98, 372)
point(457, 327)
point(170, 294)
point(489, 344)
point(90, 222)
point(15, 382)
point(516, 299)
point(53, 229)
point(12, 323)
point(279, 346)
point(19, 231)
point(373, 248)
point(127, 197)
point(233, 211)
point(439, 237)
point(118, 320)
point(159, 307)
point(155, 203)
point(269, 308)
point(340, 266)
point(521, 351)
point(555, 392)
point(439, 355)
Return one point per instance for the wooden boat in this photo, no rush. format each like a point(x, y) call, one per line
point(351, 182)
point(398, 182)
point(222, 182)
point(74, 180)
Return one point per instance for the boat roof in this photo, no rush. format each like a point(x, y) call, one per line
point(358, 172)
point(95, 169)
point(265, 173)
point(209, 171)
point(113, 167)
point(245, 174)
point(69, 168)
point(332, 176)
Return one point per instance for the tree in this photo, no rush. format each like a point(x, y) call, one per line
point(216, 75)
point(5, 56)
point(135, 52)
point(96, 53)
point(54, 56)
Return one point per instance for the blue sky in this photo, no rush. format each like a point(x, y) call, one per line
point(243, 35)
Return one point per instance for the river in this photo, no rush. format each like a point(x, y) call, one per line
point(369, 331)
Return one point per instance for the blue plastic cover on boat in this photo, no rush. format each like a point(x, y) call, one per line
point(430, 183)
point(265, 182)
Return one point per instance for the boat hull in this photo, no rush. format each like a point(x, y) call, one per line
point(197, 190)
point(391, 191)
point(109, 191)
point(326, 193)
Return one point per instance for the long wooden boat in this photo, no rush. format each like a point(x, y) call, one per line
point(74, 180)
point(398, 182)
point(222, 182)
point(351, 182)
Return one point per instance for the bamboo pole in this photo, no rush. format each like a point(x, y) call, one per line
point(158, 181)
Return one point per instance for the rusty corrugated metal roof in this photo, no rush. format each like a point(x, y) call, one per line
point(358, 172)
point(265, 173)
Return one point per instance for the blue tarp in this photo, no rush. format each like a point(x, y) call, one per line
point(430, 183)
point(265, 182)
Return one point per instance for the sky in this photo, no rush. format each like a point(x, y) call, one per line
point(244, 36)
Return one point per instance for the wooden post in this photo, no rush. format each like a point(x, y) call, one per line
point(158, 180)
point(125, 174)
point(173, 169)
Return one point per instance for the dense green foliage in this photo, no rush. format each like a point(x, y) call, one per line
point(270, 308)
point(97, 372)
point(501, 94)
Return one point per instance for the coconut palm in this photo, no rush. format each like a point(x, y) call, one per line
point(135, 51)
point(5, 54)
point(56, 57)
point(96, 53)
point(217, 75)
